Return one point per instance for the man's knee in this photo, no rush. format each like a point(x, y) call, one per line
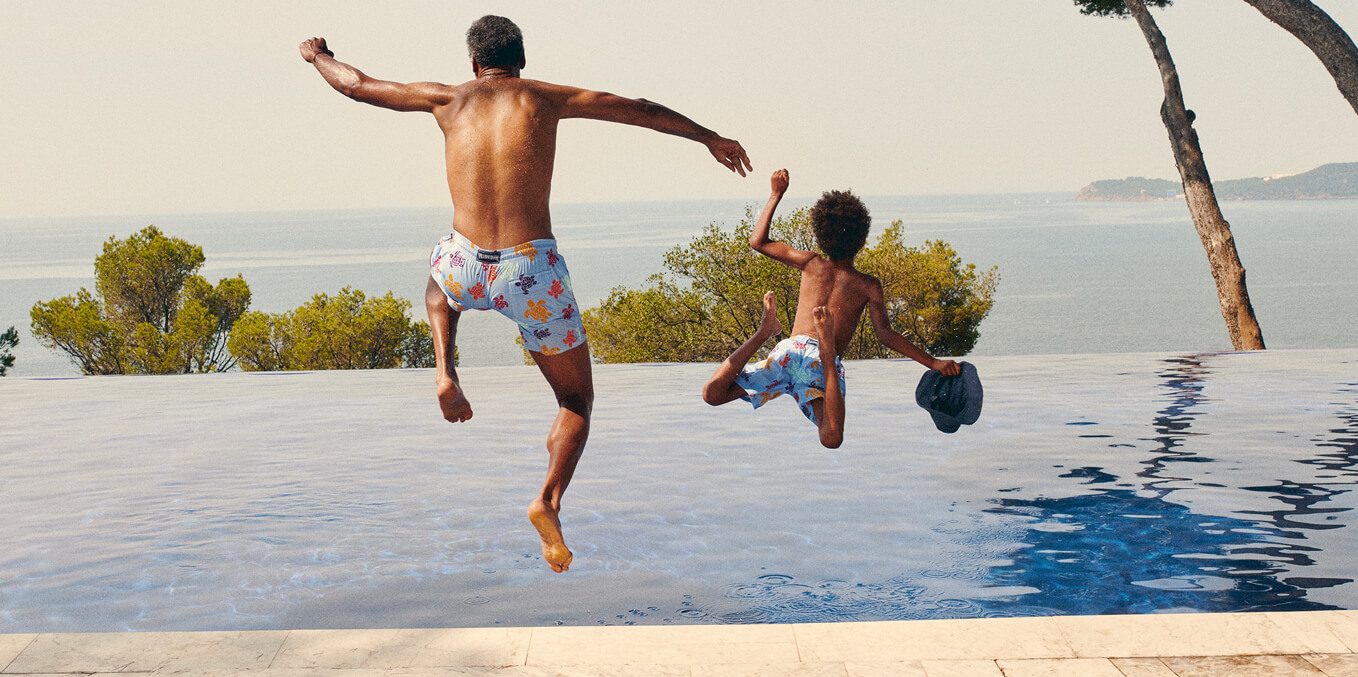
point(579, 402)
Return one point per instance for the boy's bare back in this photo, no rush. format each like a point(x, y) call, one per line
point(837, 286)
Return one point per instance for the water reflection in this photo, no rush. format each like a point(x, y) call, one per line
point(1123, 544)
point(1136, 551)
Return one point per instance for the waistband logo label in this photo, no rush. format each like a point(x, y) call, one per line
point(488, 256)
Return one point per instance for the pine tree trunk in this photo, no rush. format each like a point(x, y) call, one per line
point(1212, 228)
point(1322, 36)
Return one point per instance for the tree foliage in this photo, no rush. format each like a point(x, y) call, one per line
point(151, 314)
point(8, 339)
point(1113, 7)
point(710, 299)
point(346, 331)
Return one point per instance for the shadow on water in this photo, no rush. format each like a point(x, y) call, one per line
point(1120, 545)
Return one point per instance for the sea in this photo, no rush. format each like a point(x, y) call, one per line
point(1076, 277)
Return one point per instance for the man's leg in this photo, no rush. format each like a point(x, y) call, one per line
point(722, 388)
point(443, 325)
point(830, 413)
point(572, 382)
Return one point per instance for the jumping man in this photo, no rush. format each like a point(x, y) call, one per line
point(499, 134)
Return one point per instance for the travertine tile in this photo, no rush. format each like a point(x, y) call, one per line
point(1142, 667)
point(888, 669)
point(1321, 630)
point(635, 670)
point(451, 647)
point(1342, 624)
point(1132, 636)
point(11, 645)
point(932, 640)
point(496, 647)
point(281, 672)
point(145, 652)
point(1335, 665)
point(693, 645)
point(774, 670)
point(1242, 666)
point(346, 649)
point(961, 669)
point(1058, 667)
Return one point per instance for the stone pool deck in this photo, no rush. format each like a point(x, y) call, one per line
point(1161, 645)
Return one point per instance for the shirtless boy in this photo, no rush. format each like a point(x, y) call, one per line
point(832, 298)
point(499, 135)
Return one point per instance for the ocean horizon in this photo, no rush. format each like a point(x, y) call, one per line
point(1075, 277)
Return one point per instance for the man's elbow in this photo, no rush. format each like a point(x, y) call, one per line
point(348, 83)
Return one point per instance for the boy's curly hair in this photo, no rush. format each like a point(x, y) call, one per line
point(495, 41)
point(840, 221)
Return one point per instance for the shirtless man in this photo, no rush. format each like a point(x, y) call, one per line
point(500, 144)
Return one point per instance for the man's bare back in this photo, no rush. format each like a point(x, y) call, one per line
point(500, 138)
point(500, 135)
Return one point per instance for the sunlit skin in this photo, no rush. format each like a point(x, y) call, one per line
point(499, 133)
point(833, 297)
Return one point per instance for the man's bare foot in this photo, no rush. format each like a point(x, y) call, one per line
point(825, 331)
point(453, 401)
point(547, 523)
point(769, 325)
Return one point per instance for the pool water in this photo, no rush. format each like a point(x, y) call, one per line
point(1133, 483)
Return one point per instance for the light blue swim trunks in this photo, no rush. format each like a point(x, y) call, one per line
point(527, 283)
point(793, 367)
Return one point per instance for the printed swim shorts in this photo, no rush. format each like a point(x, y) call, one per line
point(527, 283)
point(793, 367)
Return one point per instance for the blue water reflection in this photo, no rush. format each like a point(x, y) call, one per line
point(1128, 544)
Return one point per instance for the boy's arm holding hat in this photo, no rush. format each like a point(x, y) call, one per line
point(881, 325)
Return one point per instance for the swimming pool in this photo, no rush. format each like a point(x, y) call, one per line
point(1092, 484)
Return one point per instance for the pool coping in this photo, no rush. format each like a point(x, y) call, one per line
point(1300, 642)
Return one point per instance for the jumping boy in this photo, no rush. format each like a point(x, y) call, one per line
point(832, 298)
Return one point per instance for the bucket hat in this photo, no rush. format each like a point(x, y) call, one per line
point(952, 401)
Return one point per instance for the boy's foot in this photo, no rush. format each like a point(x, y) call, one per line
point(547, 523)
point(825, 330)
point(769, 325)
point(453, 402)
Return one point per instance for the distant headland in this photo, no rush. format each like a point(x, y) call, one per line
point(1328, 182)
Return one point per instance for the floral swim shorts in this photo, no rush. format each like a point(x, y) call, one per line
point(793, 367)
point(527, 283)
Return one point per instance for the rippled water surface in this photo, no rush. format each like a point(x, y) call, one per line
point(1091, 484)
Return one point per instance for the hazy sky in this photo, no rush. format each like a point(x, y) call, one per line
point(162, 107)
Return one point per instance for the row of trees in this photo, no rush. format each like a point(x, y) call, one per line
point(152, 313)
point(710, 299)
point(1335, 49)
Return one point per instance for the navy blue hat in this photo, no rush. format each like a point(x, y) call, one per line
point(951, 400)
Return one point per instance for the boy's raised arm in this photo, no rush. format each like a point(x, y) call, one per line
point(759, 239)
point(881, 325)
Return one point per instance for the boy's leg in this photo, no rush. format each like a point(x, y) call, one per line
point(722, 388)
point(830, 413)
point(443, 326)
point(572, 382)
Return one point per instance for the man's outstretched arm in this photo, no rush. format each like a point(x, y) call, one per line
point(580, 103)
point(351, 82)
